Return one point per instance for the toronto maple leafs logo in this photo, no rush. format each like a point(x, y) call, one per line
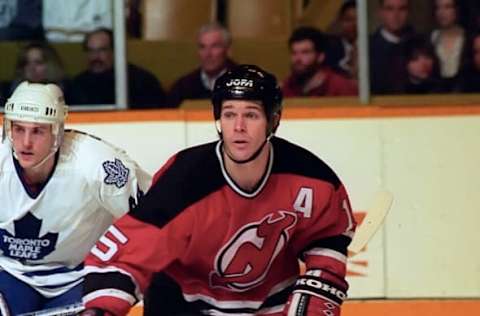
point(117, 173)
point(25, 243)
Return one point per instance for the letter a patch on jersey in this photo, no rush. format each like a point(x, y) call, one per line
point(117, 173)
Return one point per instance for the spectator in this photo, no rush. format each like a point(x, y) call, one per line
point(21, 20)
point(387, 45)
point(469, 81)
point(96, 85)
point(309, 75)
point(214, 43)
point(448, 40)
point(38, 62)
point(342, 49)
point(421, 68)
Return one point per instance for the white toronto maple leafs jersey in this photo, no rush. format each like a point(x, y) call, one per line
point(44, 237)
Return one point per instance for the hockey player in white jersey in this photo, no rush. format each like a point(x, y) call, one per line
point(59, 192)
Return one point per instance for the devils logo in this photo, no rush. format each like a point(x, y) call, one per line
point(245, 260)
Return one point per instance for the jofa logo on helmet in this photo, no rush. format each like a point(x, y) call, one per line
point(240, 83)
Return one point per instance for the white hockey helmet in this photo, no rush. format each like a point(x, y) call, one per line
point(37, 103)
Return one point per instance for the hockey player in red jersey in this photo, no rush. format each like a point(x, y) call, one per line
point(225, 223)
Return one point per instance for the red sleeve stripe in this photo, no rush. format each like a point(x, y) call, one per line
point(94, 269)
point(111, 305)
point(325, 252)
point(131, 300)
point(223, 304)
point(297, 305)
point(106, 269)
point(91, 270)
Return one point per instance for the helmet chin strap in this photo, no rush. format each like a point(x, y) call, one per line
point(43, 161)
point(253, 156)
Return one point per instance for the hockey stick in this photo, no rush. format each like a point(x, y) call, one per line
point(372, 221)
point(3, 307)
point(66, 310)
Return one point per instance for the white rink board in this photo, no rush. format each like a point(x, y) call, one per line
point(433, 236)
point(344, 151)
point(429, 247)
point(149, 143)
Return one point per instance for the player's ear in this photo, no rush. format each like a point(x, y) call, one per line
point(276, 119)
point(218, 126)
point(275, 122)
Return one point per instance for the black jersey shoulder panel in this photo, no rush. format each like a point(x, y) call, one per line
point(194, 174)
point(291, 158)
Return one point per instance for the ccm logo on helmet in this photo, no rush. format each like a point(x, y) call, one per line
point(323, 287)
point(28, 108)
point(240, 83)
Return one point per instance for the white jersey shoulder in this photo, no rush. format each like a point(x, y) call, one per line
point(49, 233)
point(104, 166)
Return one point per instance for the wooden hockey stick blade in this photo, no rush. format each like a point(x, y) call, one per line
point(66, 310)
point(372, 221)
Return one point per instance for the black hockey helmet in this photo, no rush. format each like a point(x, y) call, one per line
point(249, 82)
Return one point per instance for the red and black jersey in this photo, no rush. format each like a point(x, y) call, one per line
point(231, 251)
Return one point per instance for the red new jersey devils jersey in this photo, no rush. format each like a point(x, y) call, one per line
point(231, 251)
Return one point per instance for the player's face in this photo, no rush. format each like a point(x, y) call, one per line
point(394, 15)
point(32, 142)
point(303, 57)
point(99, 53)
point(445, 13)
point(243, 125)
point(212, 51)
